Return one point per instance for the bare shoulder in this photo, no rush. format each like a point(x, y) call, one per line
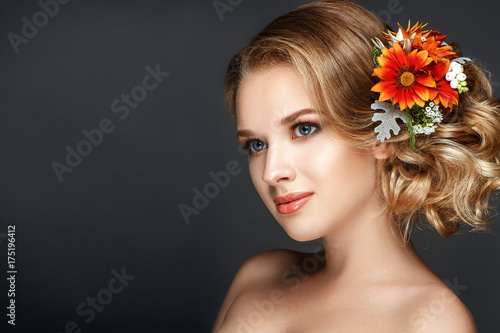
point(261, 269)
point(264, 267)
point(436, 309)
point(267, 265)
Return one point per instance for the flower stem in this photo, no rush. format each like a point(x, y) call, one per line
point(409, 124)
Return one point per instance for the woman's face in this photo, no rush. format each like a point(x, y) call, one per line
point(311, 182)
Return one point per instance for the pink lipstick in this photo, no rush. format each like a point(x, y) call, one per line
point(292, 202)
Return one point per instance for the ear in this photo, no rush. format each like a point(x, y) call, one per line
point(381, 151)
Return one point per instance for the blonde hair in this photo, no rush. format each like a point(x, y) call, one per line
point(450, 174)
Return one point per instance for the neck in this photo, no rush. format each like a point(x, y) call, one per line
point(367, 248)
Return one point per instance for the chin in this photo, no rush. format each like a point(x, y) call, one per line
point(301, 234)
point(303, 239)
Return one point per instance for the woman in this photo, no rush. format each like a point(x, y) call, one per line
point(353, 136)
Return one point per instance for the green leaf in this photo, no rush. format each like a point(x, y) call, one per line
point(375, 54)
point(409, 124)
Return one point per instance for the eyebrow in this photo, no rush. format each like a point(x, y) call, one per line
point(285, 121)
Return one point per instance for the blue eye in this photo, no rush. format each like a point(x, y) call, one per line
point(305, 129)
point(256, 145)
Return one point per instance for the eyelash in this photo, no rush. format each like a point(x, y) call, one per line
point(293, 127)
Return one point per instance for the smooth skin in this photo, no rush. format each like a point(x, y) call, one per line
point(365, 280)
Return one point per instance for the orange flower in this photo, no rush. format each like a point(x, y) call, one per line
point(403, 78)
point(439, 37)
point(434, 45)
point(444, 94)
point(407, 33)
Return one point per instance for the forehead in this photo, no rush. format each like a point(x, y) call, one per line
point(270, 93)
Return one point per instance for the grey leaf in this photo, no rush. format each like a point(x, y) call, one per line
point(388, 119)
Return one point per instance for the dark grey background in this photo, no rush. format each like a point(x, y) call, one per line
point(119, 207)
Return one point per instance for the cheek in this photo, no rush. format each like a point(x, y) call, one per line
point(340, 169)
point(320, 160)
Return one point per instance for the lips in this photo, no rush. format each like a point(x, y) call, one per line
point(292, 202)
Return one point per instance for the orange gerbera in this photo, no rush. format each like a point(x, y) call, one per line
point(403, 78)
point(444, 94)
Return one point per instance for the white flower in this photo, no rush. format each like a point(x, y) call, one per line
point(427, 130)
point(458, 69)
point(461, 77)
point(434, 114)
point(400, 38)
point(378, 44)
point(450, 76)
point(456, 75)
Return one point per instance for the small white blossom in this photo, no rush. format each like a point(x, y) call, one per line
point(427, 130)
point(434, 114)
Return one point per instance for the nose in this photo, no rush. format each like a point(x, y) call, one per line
point(278, 166)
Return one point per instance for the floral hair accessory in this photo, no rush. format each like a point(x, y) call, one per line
point(420, 75)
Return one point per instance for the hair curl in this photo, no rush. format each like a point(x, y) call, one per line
point(448, 177)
